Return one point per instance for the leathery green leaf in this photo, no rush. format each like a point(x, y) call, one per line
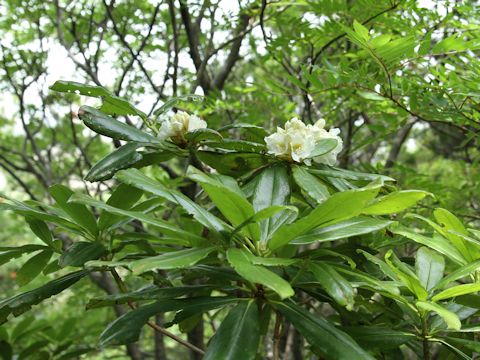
point(450, 318)
point(332, 342)
point(240, 261)
point(339, 207)
point(394, 202)
point(238, 336)
point(172, 260)
point(429, 267)
point(334, 284)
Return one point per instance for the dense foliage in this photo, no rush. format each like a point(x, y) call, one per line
point(301, 182)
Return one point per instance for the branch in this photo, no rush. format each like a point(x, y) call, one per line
point(233, 55)
point(129, 48)
point(194, 47)
point(123, 288)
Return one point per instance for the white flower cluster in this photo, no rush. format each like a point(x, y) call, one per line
point(180, 124)
point(297, 141)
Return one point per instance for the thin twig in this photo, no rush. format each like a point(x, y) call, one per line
point(123, 288)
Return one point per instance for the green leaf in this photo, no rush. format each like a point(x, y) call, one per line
point(108, 126)
point(23, 302)
point(353, 227)
point(450, 223)
point(450, 318)
point(172, 102)
point(234, 163)
point(200, 135)
point(266, 213)
point(8, 253)
point(232, 204)
point(334, 284)
point(238, 336)
point(166, 227)
point(329, 171)
point(126, 329)
point(78, 213)
point(339, 207)
point(458, 274)
point(378, 337)
point(81, 252)
point(41, 229)
point(272, 188)
point(323, 147)
point(332, 343)
point(237, 145)
point(173, 260)
point(269, 261)
point(309, 183)
point(136, 178)
point(361, 30)
point(429, 267)
point(436, 243)
point(472, 345)
point(111, 104)
point(123, 197)
point(33, 267)
point(406, 276)
point(394, 202)
point(240, 261)
point(456, 291)
point(149, 292)
point(121, 158)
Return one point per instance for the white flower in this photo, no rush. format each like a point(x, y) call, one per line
point(179, 124)
point(297, 141)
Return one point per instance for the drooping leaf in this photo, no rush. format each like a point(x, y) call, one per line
point(23, 302)
point(333, 343)
point(115, 129)
point(135, 178)
point(81, 252)
point(112, 104)
point(149, 292)
point(126, 329)
point(238, 336)
point(33, 267)
point(119, 159)
point(378, 337)
point(334, 284)
point(165, 226)
point(8, 253)
point(78, 213)
point(123, 197)
point(40, 228)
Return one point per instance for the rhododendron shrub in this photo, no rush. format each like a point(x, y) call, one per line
point(257, 235)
